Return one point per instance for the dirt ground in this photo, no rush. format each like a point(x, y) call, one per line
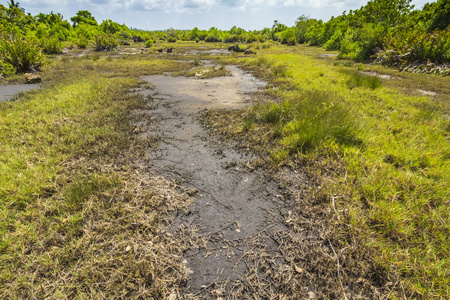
point(247, 234)
point(237, 209)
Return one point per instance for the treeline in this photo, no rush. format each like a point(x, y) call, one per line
point(390, 31)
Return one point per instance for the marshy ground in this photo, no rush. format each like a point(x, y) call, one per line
point(188, 175)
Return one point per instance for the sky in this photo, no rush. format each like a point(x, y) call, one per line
point(204, 14)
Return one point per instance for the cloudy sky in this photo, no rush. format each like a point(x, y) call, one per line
point(187, 14)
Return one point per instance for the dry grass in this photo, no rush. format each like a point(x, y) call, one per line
point(79, 218)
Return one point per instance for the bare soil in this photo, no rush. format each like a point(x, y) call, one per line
point(250, 233)
point(235, 204)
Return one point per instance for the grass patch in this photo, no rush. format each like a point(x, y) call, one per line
point(309, 120)
point(78, 220)
point(357, 79)
point(393, 192)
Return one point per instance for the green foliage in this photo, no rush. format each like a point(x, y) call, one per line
point(403, 47)
point(403, 36)
point(82, 42)
point(361, 43)
point(149, 43)
point(213, 36)
point(358, 79)
point(287, 37)
point(309, 120)
point(83, 16)
point(6, 69)
point(51, 45)
point(440, 16)
point(23, 54)
point(313, 34)
point(108, 26)
point(105, 42)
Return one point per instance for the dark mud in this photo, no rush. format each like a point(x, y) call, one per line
point(7, 92)
point(238, 211)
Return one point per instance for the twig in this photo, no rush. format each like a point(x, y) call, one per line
point(338, 269)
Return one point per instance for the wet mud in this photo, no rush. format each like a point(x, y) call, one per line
point(238, 211)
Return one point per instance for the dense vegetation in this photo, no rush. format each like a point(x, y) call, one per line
point(391, 32)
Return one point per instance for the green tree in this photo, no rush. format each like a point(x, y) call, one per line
point(441, 16)
point(83, 16)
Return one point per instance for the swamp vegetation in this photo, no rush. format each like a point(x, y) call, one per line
point(81, 218)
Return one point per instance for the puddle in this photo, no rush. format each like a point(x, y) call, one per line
point(427, 93)
point(382, 76)
point(8, 91)
point(327, 55)
point(210, 52)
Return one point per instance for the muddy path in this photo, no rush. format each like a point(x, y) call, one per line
point(238, 211)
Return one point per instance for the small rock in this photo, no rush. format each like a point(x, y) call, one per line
point(311, 295)
point(32, 78)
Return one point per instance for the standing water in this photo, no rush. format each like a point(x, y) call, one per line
point(8, 91)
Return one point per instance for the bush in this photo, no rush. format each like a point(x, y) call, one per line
point(51, 45)
point(105, 42)
point(23, 55)
point(361, 43)
point(82, 42)
point(407, 46)
point(149, 43)
point(6, 69)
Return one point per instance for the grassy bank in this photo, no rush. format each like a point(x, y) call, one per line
point(393, 143)
point(78, 219)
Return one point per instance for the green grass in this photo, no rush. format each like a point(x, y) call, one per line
point(394, 144)
point(69, 192)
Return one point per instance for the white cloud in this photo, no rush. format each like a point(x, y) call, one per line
point(187, 6)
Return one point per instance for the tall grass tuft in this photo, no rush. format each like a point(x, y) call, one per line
point(309, 120)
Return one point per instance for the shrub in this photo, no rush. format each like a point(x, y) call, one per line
point(82, 42)
point(23, 55)
point(6, 69)
point(105, 42)
point(149, 43)
point(407, 46)
point(361, 43)
point(51, 45)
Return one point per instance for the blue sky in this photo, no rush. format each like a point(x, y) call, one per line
point(186, 14)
